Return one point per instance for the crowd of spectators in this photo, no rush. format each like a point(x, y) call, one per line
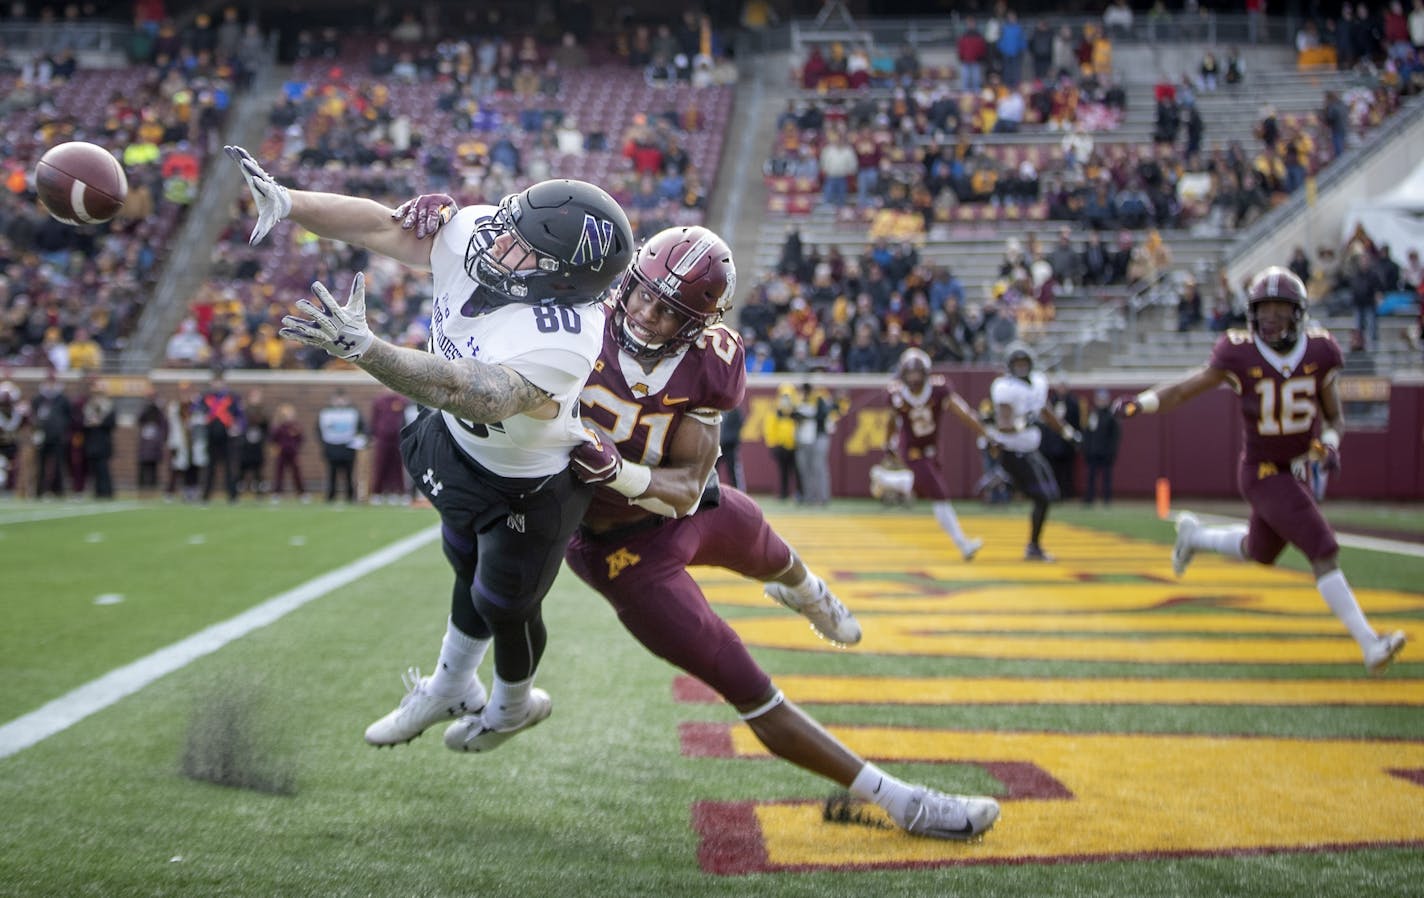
point(824, 311)
point(69, 296)
point(478, 119)
point(906, 161)
point(896, 147)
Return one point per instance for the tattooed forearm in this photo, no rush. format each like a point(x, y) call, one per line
point(465, 388)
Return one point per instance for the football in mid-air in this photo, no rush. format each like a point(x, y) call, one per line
point(80, 183)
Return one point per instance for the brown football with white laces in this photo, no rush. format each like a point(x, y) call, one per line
point(80, 183)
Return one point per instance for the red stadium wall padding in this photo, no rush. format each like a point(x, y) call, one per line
point(1196, 447)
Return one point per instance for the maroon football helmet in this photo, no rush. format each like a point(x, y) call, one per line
point(689, 269)
point(1281, 285)
point(913, 359)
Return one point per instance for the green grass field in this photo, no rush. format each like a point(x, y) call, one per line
point(1256, 759)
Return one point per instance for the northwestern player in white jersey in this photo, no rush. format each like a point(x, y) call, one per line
point(517, 323)
point(1020, 400)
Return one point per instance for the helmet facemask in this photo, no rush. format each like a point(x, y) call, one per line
point(1288, 336)
point(1279, 285)
point(913, 369)
point(692, 325)
point(510, 270)
point(1017, 353)
point(688, 270)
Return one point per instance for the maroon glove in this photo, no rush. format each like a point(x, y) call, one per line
point(1126, 407)
point(426, 213)
point(1328, 456)
point(596, 460)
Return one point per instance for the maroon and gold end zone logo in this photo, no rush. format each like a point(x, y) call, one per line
point(1077, 797)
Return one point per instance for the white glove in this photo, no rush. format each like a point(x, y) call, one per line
point(272, 200)
point(340, 330)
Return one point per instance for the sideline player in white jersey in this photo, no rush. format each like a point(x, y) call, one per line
point(1020, 400)
point(516, 326)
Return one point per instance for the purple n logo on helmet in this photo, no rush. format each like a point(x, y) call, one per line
point(595, 242)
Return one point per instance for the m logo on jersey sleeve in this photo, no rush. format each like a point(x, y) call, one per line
point(595, 242)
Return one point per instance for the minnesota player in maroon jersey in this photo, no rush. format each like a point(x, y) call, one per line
point(668, 371)
point(1285, 374)
point(919, 400)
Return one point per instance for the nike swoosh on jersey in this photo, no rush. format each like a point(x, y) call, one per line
point(675, 400)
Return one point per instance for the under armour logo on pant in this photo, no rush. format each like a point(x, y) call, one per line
point(430, 481)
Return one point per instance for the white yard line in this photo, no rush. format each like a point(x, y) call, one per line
point(96, 695)
point(1371, 543)
point(44, 512)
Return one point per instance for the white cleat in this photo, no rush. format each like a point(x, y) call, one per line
point(471, 733)
point(1383, 651)
point(831, 620)
point(421, 709)
point(971, 548)
point(936, 815)
point(1182, 552)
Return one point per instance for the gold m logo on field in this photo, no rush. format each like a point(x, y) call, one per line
point(1129, 796)
point(1088, 795)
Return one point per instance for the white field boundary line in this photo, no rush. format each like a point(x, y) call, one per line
point(1370, 543)
point(96, 695)
point(55, 512)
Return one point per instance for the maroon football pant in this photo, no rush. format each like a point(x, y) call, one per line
point(1283, 512)
point(644, 576)
point(929, 478)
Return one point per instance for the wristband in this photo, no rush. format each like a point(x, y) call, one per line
point(766, 706)
point(1148, 402)
point(1330, 437)
point(632, 479)
point(658, 506)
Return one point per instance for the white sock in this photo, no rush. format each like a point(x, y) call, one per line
point(808, 588)
point(874, 784)
point(949, 523)
point(1228, 541)
point(1341, 599)
point(460, 657)
point(507, 701)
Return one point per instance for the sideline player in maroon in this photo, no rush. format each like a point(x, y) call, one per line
point(1285, 374)
point(918, 400)
point(387, 470)
point(668, 371)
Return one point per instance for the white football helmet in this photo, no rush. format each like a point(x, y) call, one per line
point(891, 485)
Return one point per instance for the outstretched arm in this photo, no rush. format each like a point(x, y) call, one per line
point(360, 222)
point(1051, 418)
point(1166, 397)
point(964, 413)
point(467, 388)
point(350, 219)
